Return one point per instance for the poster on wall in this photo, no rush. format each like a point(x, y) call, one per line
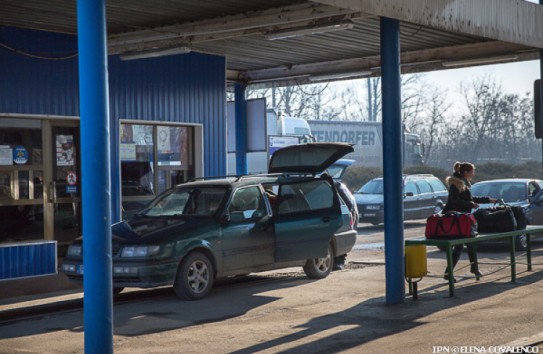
point(127, 152)
point(65, 150)
point(164, 145)
point(142, 134)
point(20, 155)
point(6, 155)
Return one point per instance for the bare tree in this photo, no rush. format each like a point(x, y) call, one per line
point(497, 127)
point(433, 131)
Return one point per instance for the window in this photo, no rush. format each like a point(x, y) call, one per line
point(188, 201)
point(247, 204)
point(306, 196)
point(153, 158)
point(436, 184)
point(410, 187)
point(424, 186)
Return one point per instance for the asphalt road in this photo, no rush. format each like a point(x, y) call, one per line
point(283, 311)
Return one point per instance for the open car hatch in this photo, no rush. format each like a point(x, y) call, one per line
point(310, 158)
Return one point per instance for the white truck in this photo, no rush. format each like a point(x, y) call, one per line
point(281, 131)
point(368, 140)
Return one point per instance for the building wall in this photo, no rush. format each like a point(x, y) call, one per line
point(39, 75)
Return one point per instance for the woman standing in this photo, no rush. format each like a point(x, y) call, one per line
point(461, 200)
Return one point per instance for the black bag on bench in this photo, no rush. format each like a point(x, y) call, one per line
point(497, 219)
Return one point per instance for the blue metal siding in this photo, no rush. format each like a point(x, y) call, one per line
point(182, 88)
point(25, 260)
point(35, 80)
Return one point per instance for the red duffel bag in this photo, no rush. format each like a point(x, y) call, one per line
point(451, 225)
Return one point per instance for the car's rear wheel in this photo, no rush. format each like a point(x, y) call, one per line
point(318, 268)
point(194, 278)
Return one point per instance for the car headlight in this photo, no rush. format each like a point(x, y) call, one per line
point(74, 250)
point(373, 207)
point(139, 251)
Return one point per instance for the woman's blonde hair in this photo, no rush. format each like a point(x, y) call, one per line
point(461, 167)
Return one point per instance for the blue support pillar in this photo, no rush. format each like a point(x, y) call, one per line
point(392, 160)
point(95, 158)
point(241, 129)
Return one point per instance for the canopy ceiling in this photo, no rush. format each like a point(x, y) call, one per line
point(301, 41)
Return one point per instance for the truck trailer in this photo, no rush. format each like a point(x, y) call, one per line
point(367, 138)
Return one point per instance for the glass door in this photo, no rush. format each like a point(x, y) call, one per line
point(21, 180)
point(63, 181)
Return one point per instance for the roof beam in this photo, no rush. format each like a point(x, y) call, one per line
point(504, 20)
point(412, 62)
point(243, 24)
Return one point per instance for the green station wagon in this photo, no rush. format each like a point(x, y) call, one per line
point(198, 232)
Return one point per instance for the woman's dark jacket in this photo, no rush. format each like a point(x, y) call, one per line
point(460, 198)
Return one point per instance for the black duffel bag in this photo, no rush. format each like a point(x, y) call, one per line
point(497, 219)
point(518, 211)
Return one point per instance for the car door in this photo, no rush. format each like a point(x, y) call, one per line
point(427, 200)
point(411, 201)
point(308, 214)
point(247, 235)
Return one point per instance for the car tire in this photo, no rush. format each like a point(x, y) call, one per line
point(117, 290)
point(521, 243)
point(438, 208)
point(318, 268)
point(194, 278)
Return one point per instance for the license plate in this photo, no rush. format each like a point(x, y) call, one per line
point(79, 269)
point(369, 214)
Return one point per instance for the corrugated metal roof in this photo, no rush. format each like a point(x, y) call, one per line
point(431, 32)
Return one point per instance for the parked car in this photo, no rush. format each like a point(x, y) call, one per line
point(201, 231)
point(424, 195)
point(534, 210)
point(513, 191)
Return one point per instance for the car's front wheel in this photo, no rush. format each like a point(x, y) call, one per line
point(318, 268)
point(194, 277)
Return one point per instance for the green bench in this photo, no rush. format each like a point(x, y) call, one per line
point(447, 244)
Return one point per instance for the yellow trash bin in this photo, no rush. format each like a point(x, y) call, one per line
point(415, 261)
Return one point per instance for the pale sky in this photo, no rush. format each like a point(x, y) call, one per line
point(513, 77)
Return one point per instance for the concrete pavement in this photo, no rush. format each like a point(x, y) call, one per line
point(284, 312)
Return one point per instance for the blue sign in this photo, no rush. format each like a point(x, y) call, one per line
point(20, 155)
point(71, 189)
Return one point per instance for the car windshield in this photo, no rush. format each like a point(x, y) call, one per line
point(193, 201)
point(372, 187)
point(508, 191)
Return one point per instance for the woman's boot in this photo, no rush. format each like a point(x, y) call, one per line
point(474, 264)
point(455, 257)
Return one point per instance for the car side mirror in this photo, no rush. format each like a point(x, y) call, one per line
point(225, 219)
